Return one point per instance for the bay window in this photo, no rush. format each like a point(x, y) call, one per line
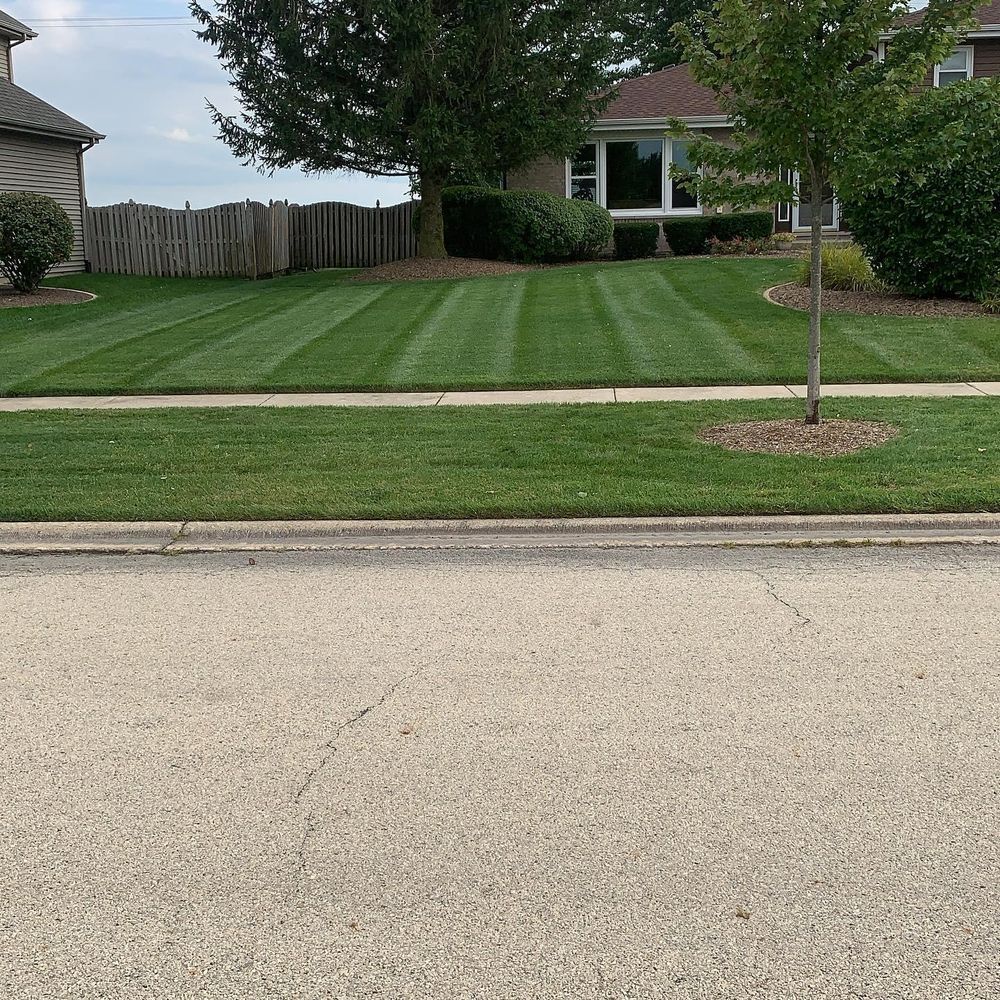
point(631, 176)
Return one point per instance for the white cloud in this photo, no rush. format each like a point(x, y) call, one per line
point(147, 89)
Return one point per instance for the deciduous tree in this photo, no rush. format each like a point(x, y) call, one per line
point(799, 79)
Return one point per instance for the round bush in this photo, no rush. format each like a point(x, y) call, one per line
point(922, 198)
point(528, 227)
point(636, 240)
point(600, 228)
point(35, 235)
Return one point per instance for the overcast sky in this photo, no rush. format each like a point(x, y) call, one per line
point(146, 88)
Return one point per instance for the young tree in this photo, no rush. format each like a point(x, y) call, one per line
point(800, 79)
point(418, 88)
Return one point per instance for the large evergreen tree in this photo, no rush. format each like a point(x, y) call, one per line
point(418, 88)
point(648, 41)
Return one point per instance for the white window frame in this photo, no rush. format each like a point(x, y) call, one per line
point(785, 207)
point(570, 176)
point(665, 208)
point(969, 52)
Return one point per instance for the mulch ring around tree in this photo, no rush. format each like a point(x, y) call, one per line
point(9, 299)
point(795, 437)
point(794, 296)
point(424, 269)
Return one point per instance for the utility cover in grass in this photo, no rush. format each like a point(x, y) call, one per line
point(795, 437)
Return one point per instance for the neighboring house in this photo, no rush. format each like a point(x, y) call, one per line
point(41, 149)
point(624, 165)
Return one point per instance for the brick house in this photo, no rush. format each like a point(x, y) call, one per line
point(624, 165)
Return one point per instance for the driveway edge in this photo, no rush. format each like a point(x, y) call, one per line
point(179, 537)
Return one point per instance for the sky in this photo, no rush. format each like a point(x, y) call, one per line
point(146, 88)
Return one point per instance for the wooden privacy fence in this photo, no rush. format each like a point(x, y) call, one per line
point(333, 234)
point(245, 239)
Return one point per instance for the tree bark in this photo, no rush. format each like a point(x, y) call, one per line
point(815, 302)
point(430, 241)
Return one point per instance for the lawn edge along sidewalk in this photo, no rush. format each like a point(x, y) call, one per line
point(503, 397)
point(179, 537)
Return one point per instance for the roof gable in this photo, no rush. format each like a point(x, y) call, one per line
point(668, 93)
point(11, 27)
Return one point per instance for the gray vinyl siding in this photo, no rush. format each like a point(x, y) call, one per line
point(5, 59)
point(51, 167)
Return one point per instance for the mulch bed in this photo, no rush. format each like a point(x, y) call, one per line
point(795, 437)
point(417, 269)
point(874, 303)
point(9, 299)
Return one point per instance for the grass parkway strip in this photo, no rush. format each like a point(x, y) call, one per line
point(656, 323)
point(645, 459)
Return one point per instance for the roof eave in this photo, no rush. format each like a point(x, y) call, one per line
point(983, 31)
point(53, 133)
point(695, 121)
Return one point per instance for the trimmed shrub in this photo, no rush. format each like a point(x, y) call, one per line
point(635, 240)
point(742, 226)
point(528, 227)
point(600, 229)
point(688, 236)
point(845, 269)
point(921, 196)
point(35, 235)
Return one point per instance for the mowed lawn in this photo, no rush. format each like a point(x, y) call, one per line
point(669, 322)
point(483, 461)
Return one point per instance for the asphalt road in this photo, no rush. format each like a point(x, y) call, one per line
point(630, 774)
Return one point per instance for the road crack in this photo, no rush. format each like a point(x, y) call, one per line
point(329, 752)
point(772, 590)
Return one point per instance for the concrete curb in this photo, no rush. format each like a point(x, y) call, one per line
point(176, 537)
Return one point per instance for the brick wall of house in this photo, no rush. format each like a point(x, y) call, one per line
point(543, 175)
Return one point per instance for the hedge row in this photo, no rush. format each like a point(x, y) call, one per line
point(690, 235)
point(529, 227)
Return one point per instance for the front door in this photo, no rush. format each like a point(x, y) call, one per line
point(802, 212)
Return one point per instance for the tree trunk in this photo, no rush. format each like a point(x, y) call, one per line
point(816, 302)
point(430, 241)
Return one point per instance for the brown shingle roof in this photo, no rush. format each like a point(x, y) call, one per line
point(668, 93)
point(987, 13)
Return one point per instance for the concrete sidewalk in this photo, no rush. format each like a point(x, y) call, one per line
point(675, 394)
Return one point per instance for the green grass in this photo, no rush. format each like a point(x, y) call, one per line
point(673, 322)
point(507, 461)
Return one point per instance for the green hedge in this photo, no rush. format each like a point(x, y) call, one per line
point(635, 240)
point(35, 235)
point(742, 226)
point(528, 227)
point(691, 234)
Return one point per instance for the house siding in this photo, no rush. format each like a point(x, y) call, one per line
point(986, 57)
point(5, 60)
point(50, 167)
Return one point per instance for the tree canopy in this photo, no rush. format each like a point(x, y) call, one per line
point(800, 80)
point(648, 37)
point(420, 88)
